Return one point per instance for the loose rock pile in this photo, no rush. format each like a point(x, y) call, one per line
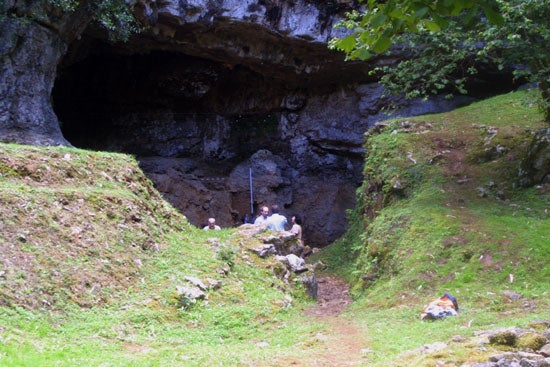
point(281, 245)
point(533, 346)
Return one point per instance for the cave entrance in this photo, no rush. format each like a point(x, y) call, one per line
point(103, 95)
point(189, 121)
point(197, 125)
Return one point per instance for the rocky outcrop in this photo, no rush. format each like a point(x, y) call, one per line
point(34, 37)
point(535, 169)
point(208, 96)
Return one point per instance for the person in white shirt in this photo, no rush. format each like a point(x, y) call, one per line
point(212, 225)
point(262, 219)
point(276, 221)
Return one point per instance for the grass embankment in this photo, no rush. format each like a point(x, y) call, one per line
point(90, 260)
point(440, 211)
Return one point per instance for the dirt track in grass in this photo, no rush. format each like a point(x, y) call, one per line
point(342, 342)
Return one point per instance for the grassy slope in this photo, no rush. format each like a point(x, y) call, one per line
point(90, 258)
point(91, 255)
point(436, 234)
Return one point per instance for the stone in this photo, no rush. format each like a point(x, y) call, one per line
point(297, 264)
point(264, 251)
point(535, 168)
point(511, 295)
point(545, 350)
point(532, 341)
point(310, 283)
point(434, 347)
point(504, 337)
point(190, 293)
point(196, 282)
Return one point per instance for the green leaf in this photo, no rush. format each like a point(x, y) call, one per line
point(431, 25)
point(421, 13)
point(382, 44)
point(440, 21)
point(493, 16)
point(346, 44)
point(363, 54)
point(397, 13)
point(398, 25)
point(412, 26)
point(366, 38)
point(378, 20)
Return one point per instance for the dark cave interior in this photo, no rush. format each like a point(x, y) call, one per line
point(93, 95)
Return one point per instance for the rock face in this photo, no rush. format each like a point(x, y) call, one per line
point(536, 166)
point(211, 96)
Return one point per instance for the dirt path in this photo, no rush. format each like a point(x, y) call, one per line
point(342, 343)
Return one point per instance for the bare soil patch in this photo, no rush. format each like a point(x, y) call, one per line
point(343, 343)
point(332, 298)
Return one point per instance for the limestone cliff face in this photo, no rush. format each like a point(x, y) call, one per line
point(210, 96)
point(33, 39)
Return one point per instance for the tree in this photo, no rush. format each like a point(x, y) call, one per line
point(115, 16)
point(447, 39)
point(374, 29)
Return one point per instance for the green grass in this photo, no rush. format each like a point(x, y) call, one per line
point(93, 256)
point(436, 234)
point(147, 328)
point(87, 228)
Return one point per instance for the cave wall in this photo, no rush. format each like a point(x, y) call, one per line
point(212, 92)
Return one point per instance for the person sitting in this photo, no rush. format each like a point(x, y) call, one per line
point(296, 230)
point(212, 225)
point(276, 221)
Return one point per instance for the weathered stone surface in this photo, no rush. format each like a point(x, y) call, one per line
point(29, 55)
point(535, 169)
point(190, 293)
point(264, 250)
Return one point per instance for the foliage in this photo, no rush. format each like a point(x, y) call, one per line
point(227, 253)
point(373, 30)
point(115, 16)
point(438, 62)
point(65, 5)
point(446, 45)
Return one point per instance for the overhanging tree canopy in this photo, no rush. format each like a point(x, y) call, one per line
point(447, 37)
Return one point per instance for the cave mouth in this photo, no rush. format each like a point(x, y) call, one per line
point(100, 97)
point(191, 123)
